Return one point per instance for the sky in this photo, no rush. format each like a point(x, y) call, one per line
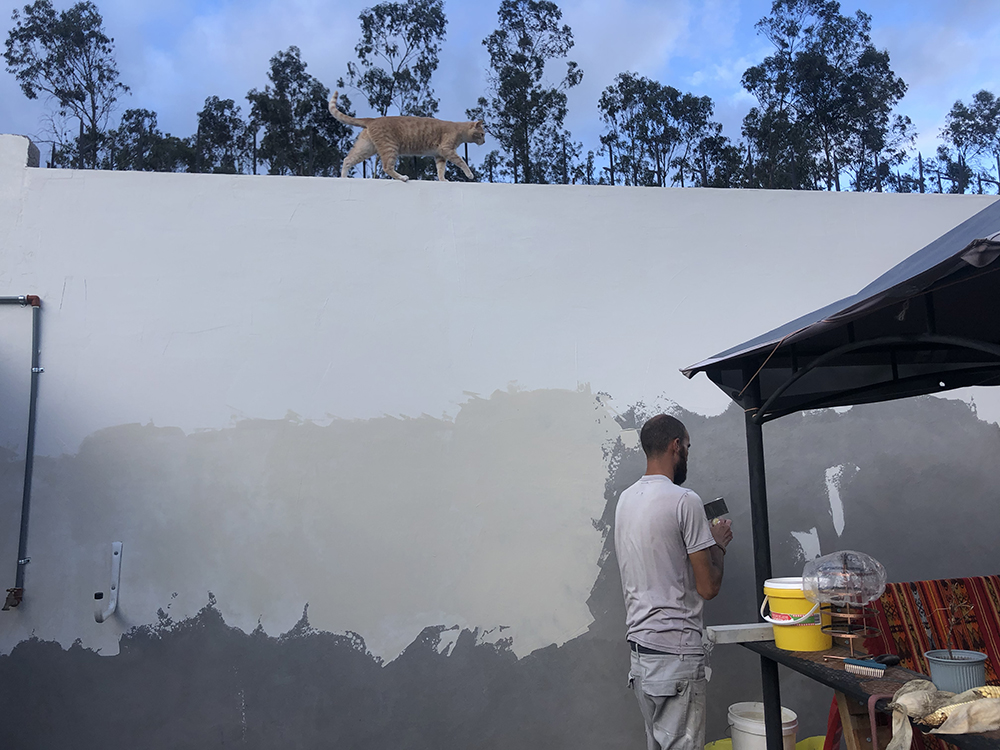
point(176, 53)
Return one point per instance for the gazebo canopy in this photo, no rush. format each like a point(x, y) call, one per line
point(930, 324)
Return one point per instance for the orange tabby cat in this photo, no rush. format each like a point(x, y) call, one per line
point(392, 137)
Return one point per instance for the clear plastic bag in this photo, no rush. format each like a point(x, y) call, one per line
point(845, 577)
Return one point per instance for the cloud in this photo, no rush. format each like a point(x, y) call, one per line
point(944, 53)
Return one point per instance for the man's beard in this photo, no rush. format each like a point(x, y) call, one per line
point(681, 470)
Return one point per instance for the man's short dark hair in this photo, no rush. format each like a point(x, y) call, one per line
point(659, 432)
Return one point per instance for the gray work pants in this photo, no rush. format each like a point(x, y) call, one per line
point(670, 689)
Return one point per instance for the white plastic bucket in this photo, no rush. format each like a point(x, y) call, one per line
point(747, 721)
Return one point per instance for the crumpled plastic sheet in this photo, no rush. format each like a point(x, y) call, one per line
point(981, 715)
point(914, 700)
point(918, 699)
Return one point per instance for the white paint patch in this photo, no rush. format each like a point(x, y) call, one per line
point(448, 639)
point(833, 476)
point(809, 548)
point(630, 438)
point(181, 286)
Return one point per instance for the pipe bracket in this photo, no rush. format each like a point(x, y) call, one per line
point(102, 613)
point(14, 597)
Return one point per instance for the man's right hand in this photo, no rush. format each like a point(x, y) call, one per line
point(722, 532)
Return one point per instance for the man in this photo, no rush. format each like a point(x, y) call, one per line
point(671, 561)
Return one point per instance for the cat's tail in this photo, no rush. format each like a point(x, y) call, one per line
point(359, 122)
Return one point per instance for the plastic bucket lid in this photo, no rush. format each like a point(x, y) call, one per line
point(749, 717)
point(793, 583)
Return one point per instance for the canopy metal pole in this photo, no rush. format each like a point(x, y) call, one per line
point(762, 559)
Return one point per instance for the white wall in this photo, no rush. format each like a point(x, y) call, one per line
point(375, 397)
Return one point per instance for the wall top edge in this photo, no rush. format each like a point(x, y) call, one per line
point(18, 151)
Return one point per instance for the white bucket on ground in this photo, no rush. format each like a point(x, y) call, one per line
point(747, 721)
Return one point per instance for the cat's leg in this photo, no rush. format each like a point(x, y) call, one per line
point(362, 149)
point(388, 155)
point(452, 156)
point(441, 164)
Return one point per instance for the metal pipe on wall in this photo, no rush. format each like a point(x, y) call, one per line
point(16, 594)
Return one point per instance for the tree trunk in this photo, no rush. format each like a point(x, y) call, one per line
point(526, 168)
point(829, 162)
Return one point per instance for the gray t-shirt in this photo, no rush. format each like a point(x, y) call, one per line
point(657, 525)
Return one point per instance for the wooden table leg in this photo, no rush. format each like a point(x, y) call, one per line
point(857, 725)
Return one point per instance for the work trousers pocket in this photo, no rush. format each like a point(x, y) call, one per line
point(666, 675)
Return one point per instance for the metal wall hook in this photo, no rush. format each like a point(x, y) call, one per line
point(102, 613)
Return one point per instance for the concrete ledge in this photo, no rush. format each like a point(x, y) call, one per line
point(748, 633)
point(18, 151)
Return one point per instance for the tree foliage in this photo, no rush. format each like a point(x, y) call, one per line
point(522, 111)
point(69, 57)
point(397, 56)
point(299, 135)
point(658, 136)
point(825, 99)
point(223, 143)
point(138, 145)
point(972, 137)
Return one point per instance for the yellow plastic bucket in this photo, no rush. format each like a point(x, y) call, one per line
point(797, 621)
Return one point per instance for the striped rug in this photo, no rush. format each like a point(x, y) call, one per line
point(914, 617)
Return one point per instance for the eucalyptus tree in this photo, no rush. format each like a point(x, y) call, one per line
point(223, 141)
point(495, 167)
point(523, 111)
point(656, 132)
point(586, 172)
point(872, 133)
point(952, 166)
point(898, 145)
point(717, 162)
point(693, 115)
point(137, 144)
point(67, 56)
point(825, 96)
point(299, 135)
point(973, 131)
point(397, 56)
point(630, 109)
